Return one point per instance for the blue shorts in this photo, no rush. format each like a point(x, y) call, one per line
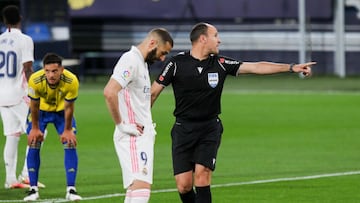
point(57, 118)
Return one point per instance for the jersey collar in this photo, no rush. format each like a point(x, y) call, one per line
point(13, 30)
point(137, 51)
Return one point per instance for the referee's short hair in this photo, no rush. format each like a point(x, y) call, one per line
point(198, 30)
point(11, 15)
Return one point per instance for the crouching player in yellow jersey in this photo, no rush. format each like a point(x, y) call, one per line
point(53, 91)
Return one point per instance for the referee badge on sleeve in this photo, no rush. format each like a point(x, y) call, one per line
point(213, 79)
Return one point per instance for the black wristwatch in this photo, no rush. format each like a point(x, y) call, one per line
point(291, 68)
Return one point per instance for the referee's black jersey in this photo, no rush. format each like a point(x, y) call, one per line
point(197, 85)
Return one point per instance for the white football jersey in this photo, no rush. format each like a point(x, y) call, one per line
point(131, 72)
point(16, 48)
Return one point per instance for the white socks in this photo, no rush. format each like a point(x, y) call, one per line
point(10, 158)
point(24, 172)
point(137, 196)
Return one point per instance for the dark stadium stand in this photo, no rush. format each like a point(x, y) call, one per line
point(250, 30)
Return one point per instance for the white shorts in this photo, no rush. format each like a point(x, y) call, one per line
point(136, 155)
point(14, 118)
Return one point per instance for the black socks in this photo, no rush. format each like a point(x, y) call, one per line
point(203, 195)
point(188, 197)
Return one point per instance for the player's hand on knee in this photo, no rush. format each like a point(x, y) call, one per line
point(34, 137)
point(69, 138)
point(130, 129)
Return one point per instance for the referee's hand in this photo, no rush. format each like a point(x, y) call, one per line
point(304, 68)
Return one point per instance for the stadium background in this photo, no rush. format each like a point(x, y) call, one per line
point(95, 33)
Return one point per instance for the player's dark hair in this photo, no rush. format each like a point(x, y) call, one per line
point(50, 58)
point(198, 30)
point(11, 15)
point(164, 35)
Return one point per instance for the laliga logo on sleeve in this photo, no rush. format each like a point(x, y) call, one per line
point(31, 91)
point(126, 74)
point(213, 79)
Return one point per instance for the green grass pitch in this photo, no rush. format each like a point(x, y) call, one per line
point(285, 140)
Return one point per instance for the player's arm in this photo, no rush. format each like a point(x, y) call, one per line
point(156, 89)
point(27, 57)
point(271, 68)
point(68, 135)
point(69, 107)
point(28, 69)
point(35, 134)
point(163, 80)
point(111, 91)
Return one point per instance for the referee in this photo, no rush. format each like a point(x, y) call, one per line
point(197, 77)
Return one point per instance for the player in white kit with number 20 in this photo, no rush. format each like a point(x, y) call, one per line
point(16, 59)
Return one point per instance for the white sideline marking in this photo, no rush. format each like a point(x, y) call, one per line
point(292, 92)
point(168, 91)
point(213, 186)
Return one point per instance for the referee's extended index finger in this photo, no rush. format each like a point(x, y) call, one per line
point(310, 63)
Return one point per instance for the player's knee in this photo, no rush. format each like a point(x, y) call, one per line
point(202, 177)
point(14, 135)
point(184, 188)
point(68, 146)
point(184, 182)
point(138, 184)
point(35, 145)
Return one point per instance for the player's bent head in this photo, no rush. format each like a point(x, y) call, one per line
point(11, 15)
point(51, 58)
point(163, 35)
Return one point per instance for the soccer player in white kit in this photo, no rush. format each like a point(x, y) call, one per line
point(16, 59)
point(127, 95)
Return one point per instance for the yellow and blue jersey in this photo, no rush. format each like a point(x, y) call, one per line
point(53, 99)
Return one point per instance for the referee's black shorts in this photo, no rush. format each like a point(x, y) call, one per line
point(195, 142)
